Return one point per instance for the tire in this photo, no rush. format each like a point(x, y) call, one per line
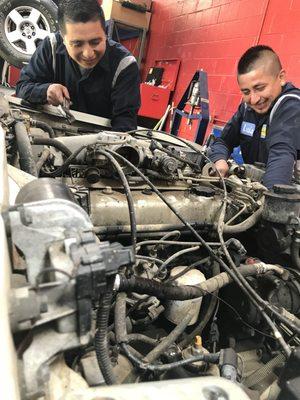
point(23, 24)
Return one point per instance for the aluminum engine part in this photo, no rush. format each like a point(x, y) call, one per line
point(38, 356)
point(44, 189)
point(127, 146)
point(283, 205)
point(123, 370)
point(204, 388)
point(176, 310)
point(8, 360)
point(34, 226)
point(73, 143)
point(109, 210)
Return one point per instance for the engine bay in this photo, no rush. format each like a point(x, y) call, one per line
point(136, 270)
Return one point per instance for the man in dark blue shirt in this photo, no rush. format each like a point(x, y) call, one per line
point(80, 65)
point(267, 123)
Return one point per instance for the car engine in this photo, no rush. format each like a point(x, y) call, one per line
point(135, 270)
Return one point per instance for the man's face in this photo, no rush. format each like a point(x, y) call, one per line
point(85, 42)
point(260, 88)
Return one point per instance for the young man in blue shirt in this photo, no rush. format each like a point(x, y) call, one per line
point(267, 123)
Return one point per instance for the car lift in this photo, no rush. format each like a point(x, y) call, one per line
point(195, 96)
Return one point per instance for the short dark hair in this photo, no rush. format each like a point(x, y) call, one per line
point(250, 58)
point(79, 11)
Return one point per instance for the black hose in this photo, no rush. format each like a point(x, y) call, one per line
point(184, 292)
point(159, 289)
point(26, 160)
point(129, 198)
point(59, 171)
point(295, 253)
point(176, 255)
point(53, 143)
point(151, 259)
point(139, 337)
point(208, 358)
point(45, 127)
point(120, 325)
point(101, 340)
point(170, 339)
point(120, 318)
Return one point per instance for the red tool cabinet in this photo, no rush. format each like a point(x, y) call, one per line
point(155, 99)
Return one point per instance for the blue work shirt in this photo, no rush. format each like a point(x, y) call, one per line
point(110, 90)
point(276, 144)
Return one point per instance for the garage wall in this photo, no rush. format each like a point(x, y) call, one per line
point(212, 34)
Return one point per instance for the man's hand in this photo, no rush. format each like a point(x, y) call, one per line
point(222, 167)
point(56, 94)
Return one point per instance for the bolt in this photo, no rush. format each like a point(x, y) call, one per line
point(108, 190)
point(33, 33)
point(23, 34)
point(32, 27)
point(43, 307)
point(27, 24)
point(29, 37)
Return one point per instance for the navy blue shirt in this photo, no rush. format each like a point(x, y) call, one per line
point(109, 90)
point(275, 144)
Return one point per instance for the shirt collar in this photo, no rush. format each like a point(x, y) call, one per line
point(104, 62)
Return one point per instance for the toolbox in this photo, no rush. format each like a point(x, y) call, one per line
point(114, 10)
point(155, 98)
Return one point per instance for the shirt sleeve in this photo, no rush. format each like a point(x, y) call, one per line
point(125, 98)
point(283, 143)
point(230, 138)
point(37, 76)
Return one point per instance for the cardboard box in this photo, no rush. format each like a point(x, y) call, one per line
point(113, 10)
point(144, 3)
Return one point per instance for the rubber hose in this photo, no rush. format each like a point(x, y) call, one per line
point(120, 326)
point(26, 160)
point(101, 340)
point(170, 339)
point(208, 358)
point(54, 143)
point(59, 171)
point(43, 158)
point(138, 337)
point(45, 127)
point(120, 318)
point(295, 254)
point(171, 292)
point(245, 225)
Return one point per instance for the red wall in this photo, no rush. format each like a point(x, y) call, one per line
point(213, 34)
